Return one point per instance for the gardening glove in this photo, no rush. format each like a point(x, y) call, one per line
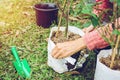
point(65, 49)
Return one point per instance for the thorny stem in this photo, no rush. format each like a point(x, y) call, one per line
point(64, 5)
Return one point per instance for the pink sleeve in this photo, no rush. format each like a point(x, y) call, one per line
point(103, 0)
point(94, 40)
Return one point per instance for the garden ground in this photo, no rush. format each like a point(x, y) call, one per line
point(18, 28)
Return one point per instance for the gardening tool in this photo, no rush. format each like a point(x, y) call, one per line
point(21, 66)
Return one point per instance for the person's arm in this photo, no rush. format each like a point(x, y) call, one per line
point(69, 48)
point(91, 40)
point(94, 40)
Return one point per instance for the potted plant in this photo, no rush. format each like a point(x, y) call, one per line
point(62, 34)
point(108, 61)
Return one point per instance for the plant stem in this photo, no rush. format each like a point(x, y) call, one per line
point(67, 20)
point(61, 10)
point(64, 5)
point(115, 51)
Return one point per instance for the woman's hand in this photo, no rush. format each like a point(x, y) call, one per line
point(69, 48)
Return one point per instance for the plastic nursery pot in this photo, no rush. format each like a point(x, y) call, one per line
point(59, 65)
point(46, 14)
point(103, 72)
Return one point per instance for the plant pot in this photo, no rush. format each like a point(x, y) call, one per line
point(103, 72)
point(59, 65)
point(46, 14)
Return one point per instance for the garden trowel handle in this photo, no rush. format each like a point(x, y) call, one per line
point(15, 54)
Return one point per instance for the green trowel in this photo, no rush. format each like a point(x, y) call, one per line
point(21, 66)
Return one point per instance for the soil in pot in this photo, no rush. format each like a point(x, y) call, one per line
point(71, 36)
point(62, 38)
point(107, 61)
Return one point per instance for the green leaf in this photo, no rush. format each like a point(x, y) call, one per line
point(116, 32)
point(95, 20)
point(111, 0)
point(87, 9)
point(87, 24)
point(118, 2)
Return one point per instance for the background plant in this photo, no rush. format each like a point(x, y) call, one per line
point(115, 51)
point(65, 12)
point(113, 19)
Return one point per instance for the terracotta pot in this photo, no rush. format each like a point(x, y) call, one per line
point(46, 14)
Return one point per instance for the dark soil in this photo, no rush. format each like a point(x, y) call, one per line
point(61, 37)
point(107, 62)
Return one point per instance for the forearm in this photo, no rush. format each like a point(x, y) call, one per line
point(69, 48)
point(95, 39)
point(80, 43)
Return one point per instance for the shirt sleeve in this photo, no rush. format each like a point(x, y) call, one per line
point(95, 39)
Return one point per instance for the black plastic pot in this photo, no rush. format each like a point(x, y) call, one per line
point(46, 14)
